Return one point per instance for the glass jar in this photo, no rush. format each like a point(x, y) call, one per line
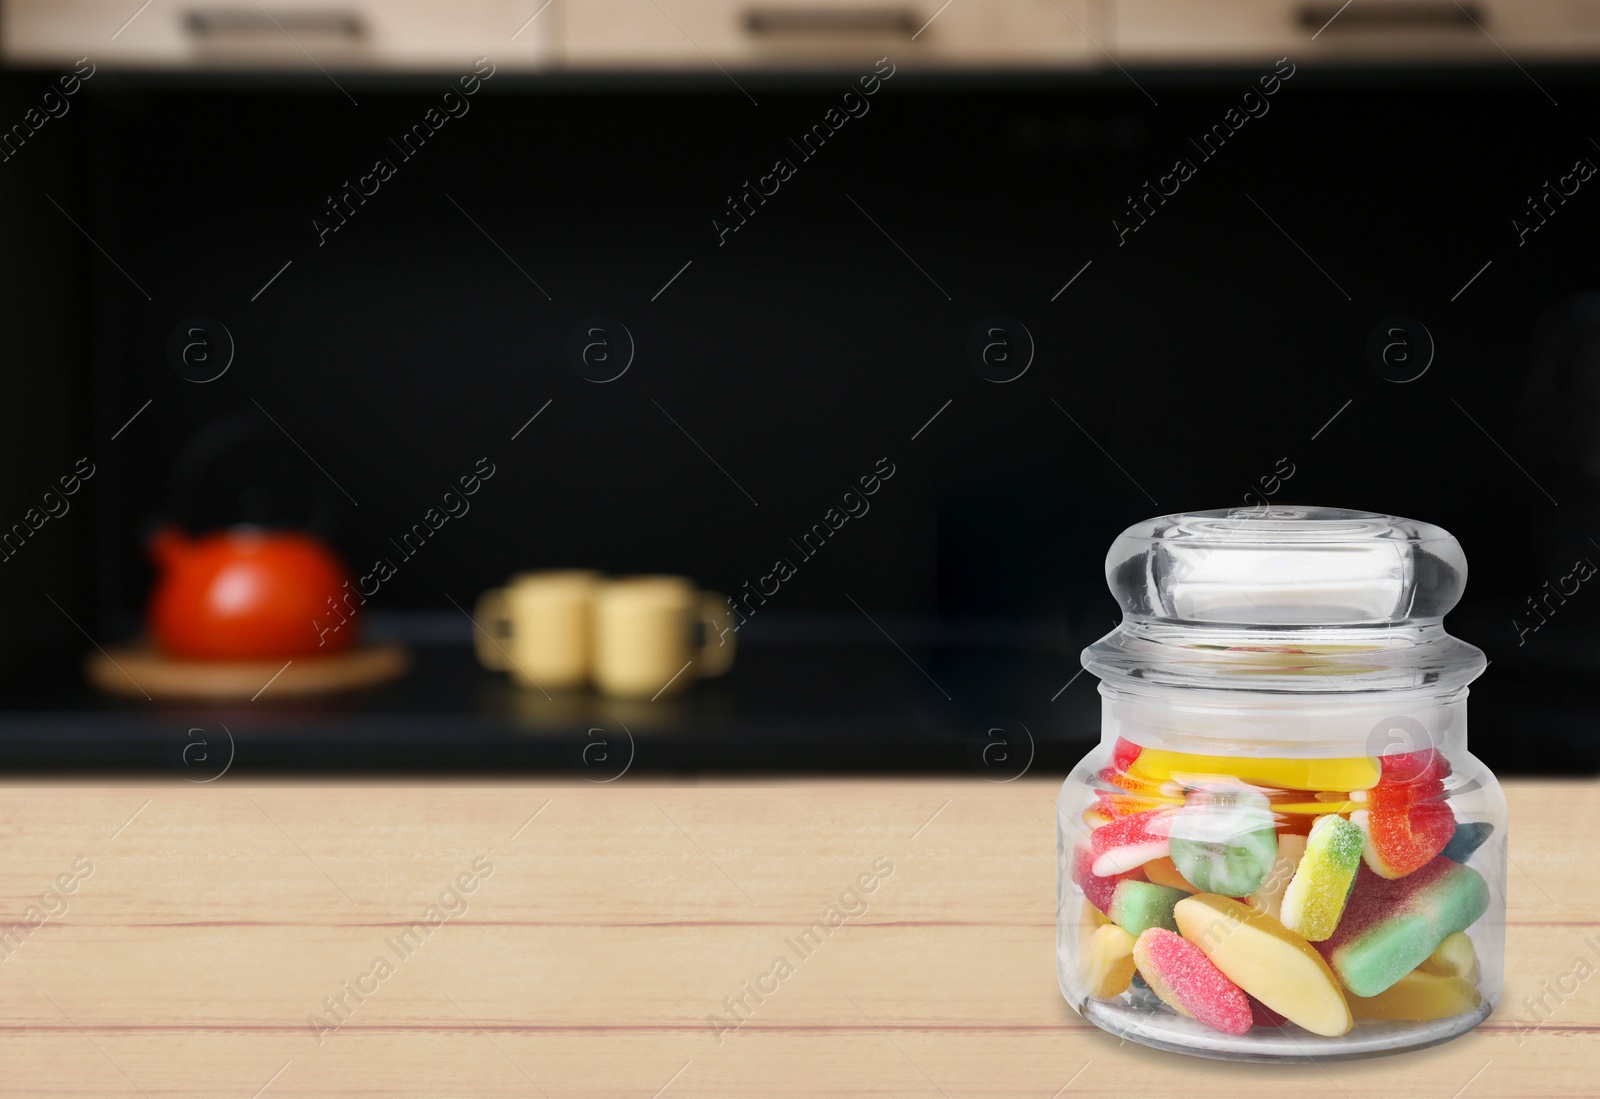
point(1281, 849)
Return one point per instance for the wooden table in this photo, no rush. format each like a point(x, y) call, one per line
point(612, 926)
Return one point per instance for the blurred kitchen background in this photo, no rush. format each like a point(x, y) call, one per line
point(1413, 174)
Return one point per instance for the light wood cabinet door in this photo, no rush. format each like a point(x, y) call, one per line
point(1198, 31)
point(843, 33)
point(280, 34)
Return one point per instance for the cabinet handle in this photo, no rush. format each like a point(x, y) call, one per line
point(1422, 15)
point(215, 24)
point(776, 22)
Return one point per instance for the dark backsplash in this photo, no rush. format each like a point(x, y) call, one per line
point(1189, 364)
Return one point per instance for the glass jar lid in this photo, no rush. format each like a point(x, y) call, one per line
point(1286, 598)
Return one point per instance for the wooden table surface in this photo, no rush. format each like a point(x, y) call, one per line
point(210, 929)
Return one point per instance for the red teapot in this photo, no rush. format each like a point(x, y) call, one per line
point(248, 594)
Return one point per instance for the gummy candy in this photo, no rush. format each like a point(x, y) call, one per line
point(1421, 773)
point(1139, 905)
point(1418, 997)
point(1262, 1015)
point(1098, 889)
point(1315, 898)
point(1407, 821)
point(1400, 840)
point(1391, 926)
point(1124, 753)
point(1129, 794)
point(1245, 892)
point(1267, 960)
point(1129, 842)
point(1290, 805)
point(1108, 962)
point(1469, 836)
point(1456, 957)
point(1268, 897)
point(1224, 840)
point(1157, 766)
point(1186, 981)
point(1163, 872)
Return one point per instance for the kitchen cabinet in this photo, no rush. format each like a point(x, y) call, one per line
point(785, 35)
point(281, 34)
point(1184, 31)
point(844, 33)
point(676, 34)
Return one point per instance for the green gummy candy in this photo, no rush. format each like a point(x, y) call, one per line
point(1137, 906)
point(1235, 868)
point(1389, 927)
point(1224, 840)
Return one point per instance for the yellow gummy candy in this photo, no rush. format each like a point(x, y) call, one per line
point(1356, 773)
point(1419, 997)
point(1163, 871)
point(1108, 962)
point(1267, 960)
point(1093, 917)
point(1454, 958)
point(1327, 803)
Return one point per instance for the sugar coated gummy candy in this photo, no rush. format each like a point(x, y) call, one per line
point(1268, 897)
point(1095, 817)
point(1399, 840)
point(1391, 926)
point(1124, 752)
point(1407, 821)
point(1315, 897)
point(1108, 962)
point(1122, 794)
point(1224, 839)
point(1098, 889)
point(1267, 960)
point(1137, 906)
point(1127, 843)
point(1186, 981)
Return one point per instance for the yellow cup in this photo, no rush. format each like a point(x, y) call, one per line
point(645, 643)
point(539, 628)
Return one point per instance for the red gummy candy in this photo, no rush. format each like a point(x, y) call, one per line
point(1129, 842)
point(1123, 753)
point(1098, 888)
point(1401, 841)
point(1184, 978)
point(1419, 774)
point(1408, 821)
point(1262, 1015)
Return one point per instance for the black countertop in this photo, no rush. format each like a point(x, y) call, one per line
point(800, 700)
